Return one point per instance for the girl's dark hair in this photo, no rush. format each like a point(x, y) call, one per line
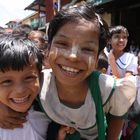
point(17, 51)
point(75, 14)
point(118, 29)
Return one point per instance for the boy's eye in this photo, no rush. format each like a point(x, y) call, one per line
point(6, 82)
point(31, 78)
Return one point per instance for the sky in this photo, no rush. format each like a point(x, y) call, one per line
point(12, 10)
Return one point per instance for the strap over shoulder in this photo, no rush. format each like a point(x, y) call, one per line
point(93, 81)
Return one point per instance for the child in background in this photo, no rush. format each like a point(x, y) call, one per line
point(20, 73)
point(102, 63)
point(131, 129)
point(23, 29)
point(121, 63)
point(40, 38)
point(73, 94)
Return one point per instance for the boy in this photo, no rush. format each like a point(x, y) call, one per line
point(20, 68)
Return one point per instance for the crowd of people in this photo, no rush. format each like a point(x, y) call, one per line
point(78, 82)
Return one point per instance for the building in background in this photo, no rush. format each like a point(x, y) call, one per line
point(12, 24)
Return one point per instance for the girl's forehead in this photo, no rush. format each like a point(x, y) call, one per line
point(79, 27)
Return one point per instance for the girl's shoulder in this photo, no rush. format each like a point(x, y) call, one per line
point(122, 97)
point(126, 57)
point(125, 60)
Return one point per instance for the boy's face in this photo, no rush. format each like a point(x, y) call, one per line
point(119, 41)
point(18, 89)
point(74, 50)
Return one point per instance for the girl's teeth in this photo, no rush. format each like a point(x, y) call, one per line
point(70, 69)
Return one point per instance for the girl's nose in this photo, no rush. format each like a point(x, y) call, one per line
point(73, 54)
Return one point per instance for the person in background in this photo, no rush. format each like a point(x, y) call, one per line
point(131, 129)
point(40, 38)
point(23, 29)
point(102, 65)
point(121, 63)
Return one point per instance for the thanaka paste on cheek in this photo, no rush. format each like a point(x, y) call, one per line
point(90, 63)
point(53, 54)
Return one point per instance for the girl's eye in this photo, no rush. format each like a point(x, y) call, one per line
point(6, 82)
point(88, 50)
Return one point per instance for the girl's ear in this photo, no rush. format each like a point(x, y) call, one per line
point(103, 70)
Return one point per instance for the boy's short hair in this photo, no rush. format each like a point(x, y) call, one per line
point(17, 51)
point(102, 61)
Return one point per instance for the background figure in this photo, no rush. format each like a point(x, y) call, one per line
point(131, 130)
point(121, 63)
point(102, 65)
point(42, 40)
point(23, 29)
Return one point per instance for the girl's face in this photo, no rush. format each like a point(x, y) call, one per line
point(119, 41)
point(74, 50)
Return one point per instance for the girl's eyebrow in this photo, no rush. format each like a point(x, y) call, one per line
point(61, 35)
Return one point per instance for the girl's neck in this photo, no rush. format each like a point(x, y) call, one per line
point(72, 94)
point(117, 54)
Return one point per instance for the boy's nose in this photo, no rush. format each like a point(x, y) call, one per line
point(20, 88)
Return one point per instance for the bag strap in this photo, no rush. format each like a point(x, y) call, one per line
point(93, 81)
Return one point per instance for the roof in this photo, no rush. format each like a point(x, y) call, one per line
point(37, 5)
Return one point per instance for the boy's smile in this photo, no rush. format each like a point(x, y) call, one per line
point(73, 53)
point(19, 88)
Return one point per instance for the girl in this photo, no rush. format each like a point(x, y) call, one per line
point(121, 63)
